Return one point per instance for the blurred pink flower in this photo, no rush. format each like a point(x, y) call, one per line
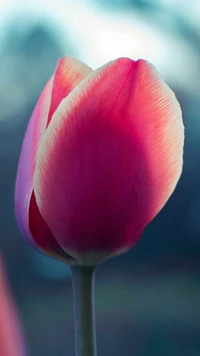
point(11, 341)
point(101, 156)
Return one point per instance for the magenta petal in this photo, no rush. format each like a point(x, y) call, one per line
point(43, 237)
point(24, 182)
point(69, 73)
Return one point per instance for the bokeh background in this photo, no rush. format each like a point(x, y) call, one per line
point(148, 300)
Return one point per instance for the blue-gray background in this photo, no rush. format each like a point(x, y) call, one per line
point(148, 300)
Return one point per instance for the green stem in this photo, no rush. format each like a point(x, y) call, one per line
point(83, 288)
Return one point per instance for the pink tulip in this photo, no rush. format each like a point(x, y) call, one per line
point(101, 156)
point(11, 343)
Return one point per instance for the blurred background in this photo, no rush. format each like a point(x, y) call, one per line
point(148, 300)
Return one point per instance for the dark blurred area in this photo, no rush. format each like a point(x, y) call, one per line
point(148, 300)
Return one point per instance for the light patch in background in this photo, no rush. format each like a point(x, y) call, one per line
point(100, 35)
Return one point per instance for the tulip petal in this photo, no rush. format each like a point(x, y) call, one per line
point(68, 74)
point(11, 340)
point(43, 237)
point(24, 182)
point(110, 158)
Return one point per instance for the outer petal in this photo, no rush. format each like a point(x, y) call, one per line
point(11, 343)
point(110, 159)
point(68, 74)
point(24, 183)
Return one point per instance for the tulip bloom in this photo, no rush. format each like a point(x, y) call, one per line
point(11, 341)
point(101, 156)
